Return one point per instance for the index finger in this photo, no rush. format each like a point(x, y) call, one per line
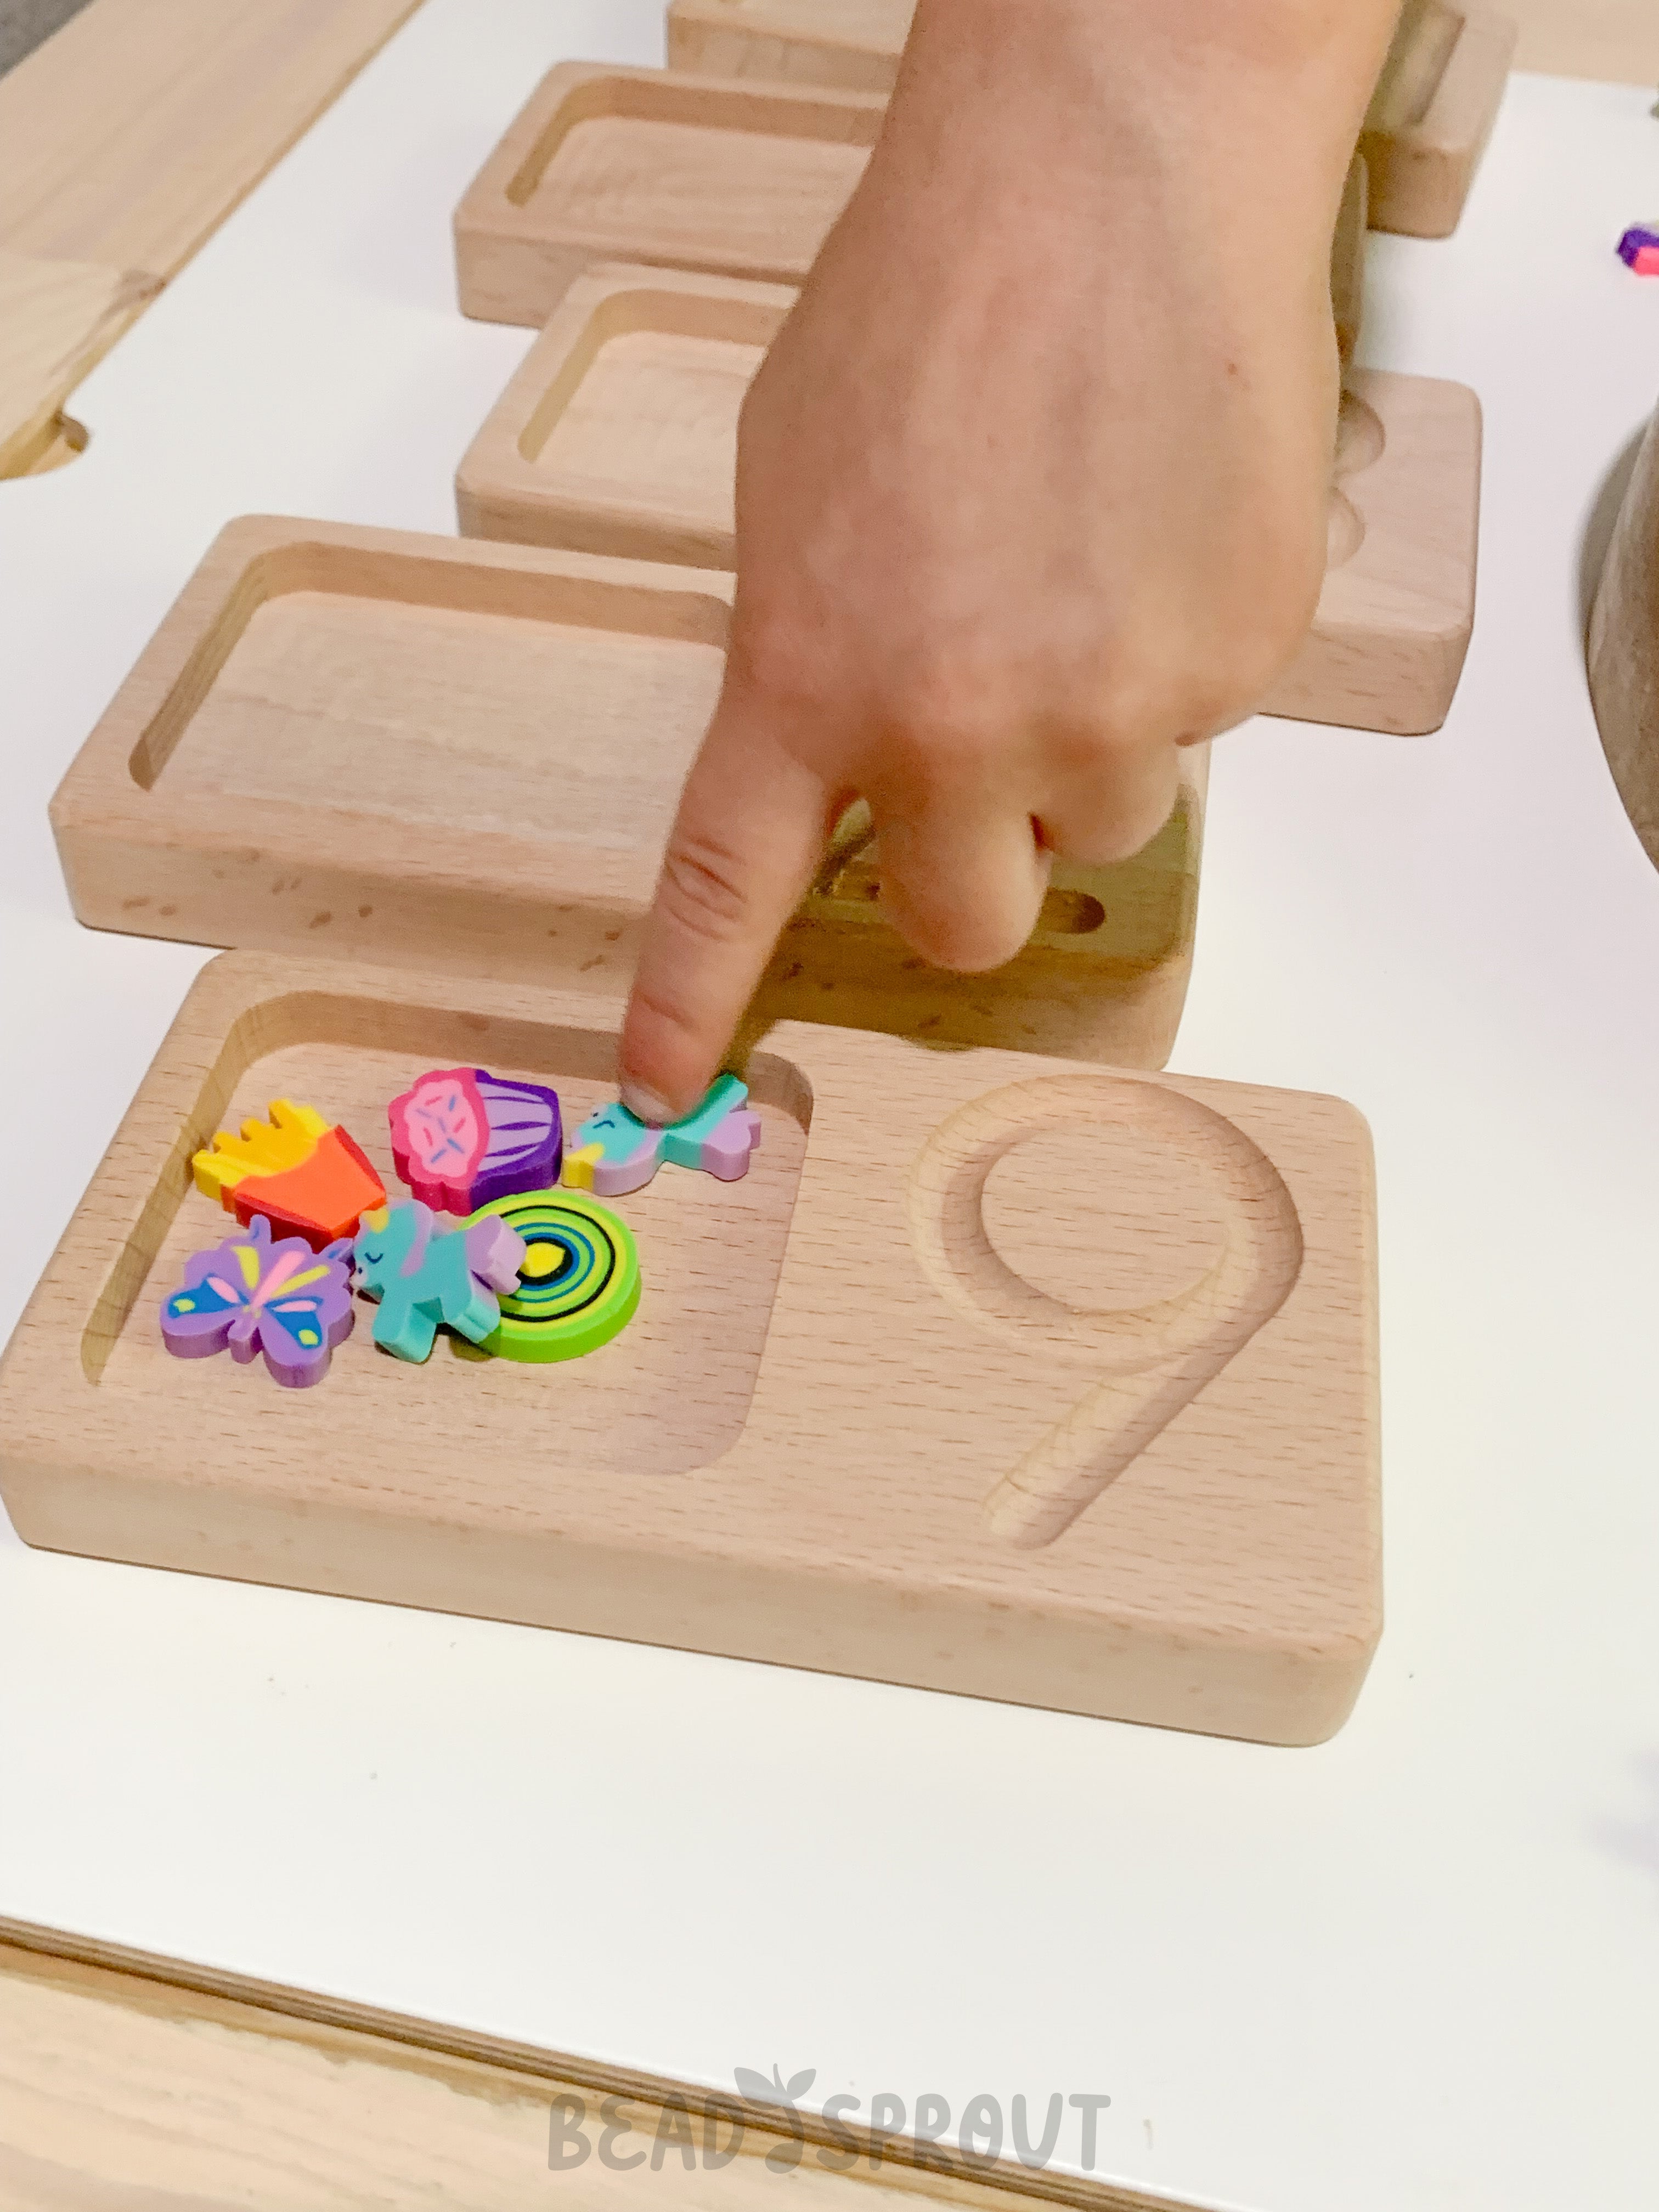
point(752, 825)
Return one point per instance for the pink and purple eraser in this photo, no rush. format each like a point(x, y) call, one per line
point(284, 1299)
point(462, 1138)
point(1638, 249)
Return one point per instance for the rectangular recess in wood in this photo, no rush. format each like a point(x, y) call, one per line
point(1425, 130)
point(1432, 112)
point(606, 164)
point(467, 755)
point(995, 1376)
point(854, 44)
point(731, 179)
point(618, 436)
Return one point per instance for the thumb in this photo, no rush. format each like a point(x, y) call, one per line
point(751, 826)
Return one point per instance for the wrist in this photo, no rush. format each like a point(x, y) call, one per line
point(1265, 36)
point(1290, 78)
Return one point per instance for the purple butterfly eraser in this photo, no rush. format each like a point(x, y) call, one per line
point(285, 1300)
point(462, 1138)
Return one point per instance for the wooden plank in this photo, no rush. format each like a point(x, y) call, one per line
point(468, 756)
point(123, 2074)
point(57, 319)
point(1426, 132)
point(1127, 1457)
point(129, 136)
point(124, 142)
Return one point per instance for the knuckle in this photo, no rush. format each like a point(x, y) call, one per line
point(969, 942)
point(1102, 844)
point(947, 709)
point(657, 1017)
point(776, 655)
point(963, 952)
point(704, 890)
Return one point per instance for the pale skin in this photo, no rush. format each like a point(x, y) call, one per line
point(1032, 487)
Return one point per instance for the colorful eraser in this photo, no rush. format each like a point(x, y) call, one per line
point(285, 1300)
point(303, 1176)
point(422, 1279)
point(1640, 241)
point(614, 1152)
point(578, 1284)
point(462, 1137)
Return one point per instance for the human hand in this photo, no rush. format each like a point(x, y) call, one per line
point(1032, 487)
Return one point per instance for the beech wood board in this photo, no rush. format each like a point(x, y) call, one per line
point(730, 178)
point(130, 2083)
point(618, 436)
point(1425, 130)
point(130, 135)
point(1616, 41)
point(995, 1376)
point(467, 755)
point(610, 164)
point(125, 139)
point(57, 319)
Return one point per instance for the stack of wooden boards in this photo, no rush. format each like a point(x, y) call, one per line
point(1123, 1327)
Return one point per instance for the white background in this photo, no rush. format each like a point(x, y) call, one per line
point(1416, 1967)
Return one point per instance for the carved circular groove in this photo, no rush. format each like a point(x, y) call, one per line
point(1345, 530)
point(1153, 1359)
point(1100, 1216)
point(1359, 436)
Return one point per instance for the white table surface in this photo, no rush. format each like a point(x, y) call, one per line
point(1415, 1967)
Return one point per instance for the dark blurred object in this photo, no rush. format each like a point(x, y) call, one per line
point(24, 23)
point(1624, 646)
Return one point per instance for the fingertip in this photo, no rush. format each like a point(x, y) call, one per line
point(966, 898)
point(661, 1063)
point(644, 1105)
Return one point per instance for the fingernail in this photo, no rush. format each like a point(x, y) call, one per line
point(645, 1105)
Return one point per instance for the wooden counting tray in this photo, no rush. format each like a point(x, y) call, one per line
point(387, 746)
point(618, 436)
point(854, 44)
point(996, 1375)
point(729, 178)
point(608, 164)
point(1432, 113)
point(1425, 130)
